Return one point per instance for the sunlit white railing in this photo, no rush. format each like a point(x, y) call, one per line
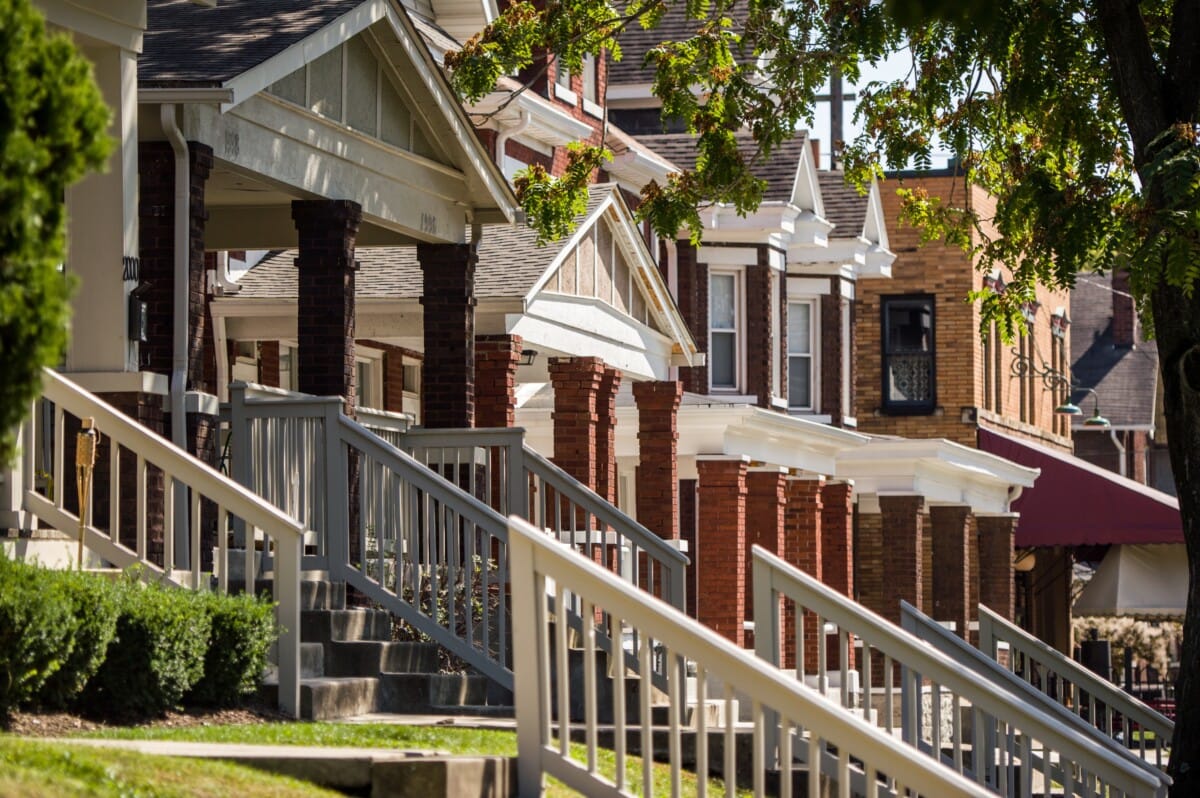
point(840, 747)
point(1100, 702)
point(922, 626)
point(138, 508)
point(980, 729)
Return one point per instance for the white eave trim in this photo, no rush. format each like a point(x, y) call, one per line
point(885, 456)
point(637, 168)
point(204, 96)
point(548, 123)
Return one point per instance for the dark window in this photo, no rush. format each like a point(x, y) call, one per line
point(908, 355)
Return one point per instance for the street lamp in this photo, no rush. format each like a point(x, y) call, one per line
point(1071, 409)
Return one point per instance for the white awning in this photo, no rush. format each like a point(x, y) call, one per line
point(1148, 581)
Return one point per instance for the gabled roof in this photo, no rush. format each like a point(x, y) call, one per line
point(1126, 378)
point(844, 206)
point(187, 44)
point(779, 170)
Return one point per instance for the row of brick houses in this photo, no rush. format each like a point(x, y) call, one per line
point(805, 378)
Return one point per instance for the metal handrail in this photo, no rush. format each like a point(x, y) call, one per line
point(774, 579)
point(994, 628)
point(538, 561)
point(181, 467)
point(925, 628)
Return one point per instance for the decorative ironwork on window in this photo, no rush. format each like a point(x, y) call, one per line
point(909, 381)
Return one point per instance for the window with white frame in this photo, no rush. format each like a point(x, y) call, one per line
point(724, 303)
point(801, 317)
point(589, 78)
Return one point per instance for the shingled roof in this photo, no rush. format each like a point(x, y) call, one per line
point(186, 44)
point(636, 42)
point(779, 170)
point(844, 206)
point(1125, 378)
point(510, 263)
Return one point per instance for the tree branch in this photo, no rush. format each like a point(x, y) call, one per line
point(1183, 60)
point(1135, 76)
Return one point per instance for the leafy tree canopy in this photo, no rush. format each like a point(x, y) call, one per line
point(52, 123)
point(1079, 117)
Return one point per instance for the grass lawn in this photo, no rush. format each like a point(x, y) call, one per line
point(33, 769)
point(499, 742)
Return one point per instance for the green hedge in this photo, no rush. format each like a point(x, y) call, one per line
point(243, 629)
point(37, 632)
point(121, 648)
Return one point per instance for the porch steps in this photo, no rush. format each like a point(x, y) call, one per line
point(350, 666)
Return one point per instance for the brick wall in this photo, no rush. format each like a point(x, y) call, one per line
point(325, 308)
point(1124, 314)
point(951, 533)
point(693, 306)
point(760, 342)
point(448, 301)
point(996, 533)
point(766, 501)
point(576, 383)
point(268, 363)
point(803, 550)
point(606, 433)
point(496, 361)
point(658, 496)
point(719, 555)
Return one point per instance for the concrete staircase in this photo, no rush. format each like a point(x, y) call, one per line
point(351, 666)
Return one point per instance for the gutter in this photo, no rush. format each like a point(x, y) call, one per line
point(507, 133)
point(179, 331)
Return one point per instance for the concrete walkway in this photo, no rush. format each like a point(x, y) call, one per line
point(373, 771)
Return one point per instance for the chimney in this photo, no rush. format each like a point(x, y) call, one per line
point(1124, 314)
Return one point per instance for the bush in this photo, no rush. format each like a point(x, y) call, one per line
point(243, 629)
point(94, 605)
point(158, 653)
point(37, 631)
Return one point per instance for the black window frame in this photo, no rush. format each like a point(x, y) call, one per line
point(915, 407)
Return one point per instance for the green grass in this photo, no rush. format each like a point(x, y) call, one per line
point(32, 769)
point(454, 740)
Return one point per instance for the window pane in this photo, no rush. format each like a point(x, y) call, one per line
point(562, 75)
point(799, 339)
point(800, 381)
point(909, 378)
point(325, 84)
point(589, 77)
point(721, 360)
point(910, 326)
point(396, 120)
point(290, 88)
point(721, 302)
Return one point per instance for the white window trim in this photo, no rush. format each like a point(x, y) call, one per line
point(565, 94)
point(814, 354)
point(373, 360)
point(739, 331)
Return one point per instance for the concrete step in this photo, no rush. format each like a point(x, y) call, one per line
point(324, 626)
point(442, 693)
point(372, 657)
point(312, 660)
point(328, 698)
point(315, 594)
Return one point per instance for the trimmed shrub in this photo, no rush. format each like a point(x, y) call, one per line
point(243, 629)
point(158, 654)
point(93, 602)
point(37, 631)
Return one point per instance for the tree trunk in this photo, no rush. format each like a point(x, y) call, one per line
point(1177, 329)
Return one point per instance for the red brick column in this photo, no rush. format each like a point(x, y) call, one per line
point(901, 553)
point(926, 605)
point(951, 533)
point(327, 231)
point(268, 363)
point(804, 550)
point(448, 302)
point(606, 434)
point(496, 360)
point(658, 466)
point(996, 533)
point(837, 536)
point(766, 505)
point(721, 545)
point(576, 383)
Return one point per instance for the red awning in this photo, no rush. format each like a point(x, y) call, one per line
point(1075, 503)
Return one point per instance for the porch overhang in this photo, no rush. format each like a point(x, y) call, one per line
point(939, 470)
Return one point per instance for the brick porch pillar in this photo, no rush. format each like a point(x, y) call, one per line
point(721, 545)
point(658, 467)
point(804, 550)
point(837, 536)
point(448, 301)
point(766, 505)
point(951, 533)
point(496, 361)
point(325, 309)
point(996, 534)
point(606, 434)
point(890, 542)
point(576, 382)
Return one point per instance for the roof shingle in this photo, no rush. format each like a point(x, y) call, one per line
point(844, 206)
point(779, 170)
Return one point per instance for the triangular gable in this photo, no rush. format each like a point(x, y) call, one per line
point(806, 190)
point(607, 259)
point(385, 33)
point(875, 225)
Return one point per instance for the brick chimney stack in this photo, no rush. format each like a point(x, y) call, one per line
point(1124, 317)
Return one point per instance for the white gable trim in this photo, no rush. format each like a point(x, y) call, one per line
point(806, 189)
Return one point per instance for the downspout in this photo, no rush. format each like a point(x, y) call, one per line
point(180, 300)
point(502, 137)
point(1121, 467)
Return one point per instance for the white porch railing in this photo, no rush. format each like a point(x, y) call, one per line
point(123, 537)
point(424, 537)
point(982, 730)
point(922, 626)
point(1100, 702)
point(542, 571)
